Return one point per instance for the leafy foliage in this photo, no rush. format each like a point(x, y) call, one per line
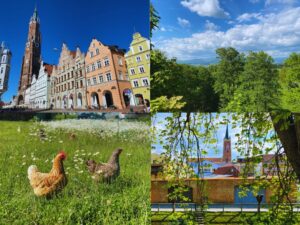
point(290, 83)
point(170, 79)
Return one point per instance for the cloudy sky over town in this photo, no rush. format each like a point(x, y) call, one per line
point(194, 29)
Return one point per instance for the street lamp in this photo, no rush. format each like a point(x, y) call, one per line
point(259, 199)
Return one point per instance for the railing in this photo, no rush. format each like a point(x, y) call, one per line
point(218, 207)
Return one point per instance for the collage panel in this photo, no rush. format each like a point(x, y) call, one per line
point(225, 168)
point(75, 112)
point(74, 168)
point(225, 103)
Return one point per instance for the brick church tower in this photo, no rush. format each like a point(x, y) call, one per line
point(32, 57)
point(227, 147)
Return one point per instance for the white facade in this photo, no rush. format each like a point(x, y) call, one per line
point(5, 57)
point(37, 95)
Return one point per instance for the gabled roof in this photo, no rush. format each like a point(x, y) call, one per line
point(215, 160)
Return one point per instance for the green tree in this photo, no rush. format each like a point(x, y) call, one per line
point(194, 84)
point(226, 73)
point(290, 83)
point(258, 89)
point(154, 19)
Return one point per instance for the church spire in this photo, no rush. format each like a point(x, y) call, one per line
point(226, 134)
point(35, 16)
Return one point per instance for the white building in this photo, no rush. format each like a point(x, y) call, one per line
point(5, 57)
point(37, 95)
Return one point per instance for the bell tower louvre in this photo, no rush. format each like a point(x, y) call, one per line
point(32, 57)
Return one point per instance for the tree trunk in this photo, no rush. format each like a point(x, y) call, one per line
point(290, 138)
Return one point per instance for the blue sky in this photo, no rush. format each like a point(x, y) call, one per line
point(192, 30)
point(214, 150)
point(74, 22)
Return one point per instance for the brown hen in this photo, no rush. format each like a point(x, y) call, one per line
point(105, 171)
point(47, 184)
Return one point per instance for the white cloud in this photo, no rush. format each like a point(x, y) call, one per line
point(163, 29)
point(254, 1)
point(210, 26)
point(209, 8)
point(183, 22)
point(289, 2)
point(249, 16)
point(278, 33)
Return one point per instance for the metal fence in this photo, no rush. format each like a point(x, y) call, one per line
point(218, 207)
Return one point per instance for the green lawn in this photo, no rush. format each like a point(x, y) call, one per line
point(218, 218)
point(125, 201)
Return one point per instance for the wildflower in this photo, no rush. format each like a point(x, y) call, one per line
point(81, 171)
point(24, 163)
point(60, 141)
point(24, 156)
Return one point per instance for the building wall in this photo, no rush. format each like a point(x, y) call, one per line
point(106, 81)
point(68, 85)
point(222, 191)
point(133, 64)
point(5, 58)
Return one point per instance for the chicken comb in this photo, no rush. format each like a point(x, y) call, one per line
point(62, 154)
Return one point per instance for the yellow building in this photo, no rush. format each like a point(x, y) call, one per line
point(138, 65)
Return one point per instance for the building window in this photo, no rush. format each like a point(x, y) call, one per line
point(145, 82)
point(138, 59)
point(93, 67)
point(126, 76)
point(2, 70)
point(97, 51)
point(94, 80)
point(120, 61)
point(136, 83)
point(3, 58)
point(99, 64)
point(106, 61)
point(81, 83)
point(140, 48)
point(120, 75)
point(141, 69)
point(108, 77)
point(89, 82)
point(101, 79)
point(132, 71)
point(148, 56)
point(0, 81)
point(87, 69)
point(92, 54)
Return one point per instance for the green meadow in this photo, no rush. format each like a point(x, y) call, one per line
point(82, 201)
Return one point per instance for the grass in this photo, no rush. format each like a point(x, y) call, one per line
point(125, 201)
point(211, 218)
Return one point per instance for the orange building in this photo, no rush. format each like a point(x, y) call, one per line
point(108, 85)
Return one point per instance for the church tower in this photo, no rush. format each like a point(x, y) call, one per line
point(32, 56)
point(227, 147)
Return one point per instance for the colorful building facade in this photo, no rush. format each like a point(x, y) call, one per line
point(108, 85)
point(68, 85)
point(138, 64)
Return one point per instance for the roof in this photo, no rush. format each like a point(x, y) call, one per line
point(215, 160)
point(73, 54)
point(48, 68)
point(228, 169)
point(115, 48)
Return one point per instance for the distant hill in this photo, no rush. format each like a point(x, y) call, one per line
point(209, 61)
